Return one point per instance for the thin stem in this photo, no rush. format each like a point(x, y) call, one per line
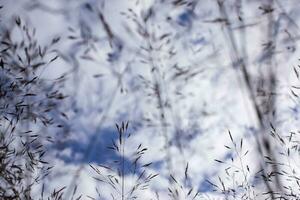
point(123, 165)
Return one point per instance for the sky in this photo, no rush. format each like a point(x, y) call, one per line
point(174, 72)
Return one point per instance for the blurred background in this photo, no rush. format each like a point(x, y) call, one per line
point(209, 87)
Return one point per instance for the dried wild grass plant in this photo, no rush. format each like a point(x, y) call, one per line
point(238, 181)
point(30, 106)
point(114, 175)
point(182, 189)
